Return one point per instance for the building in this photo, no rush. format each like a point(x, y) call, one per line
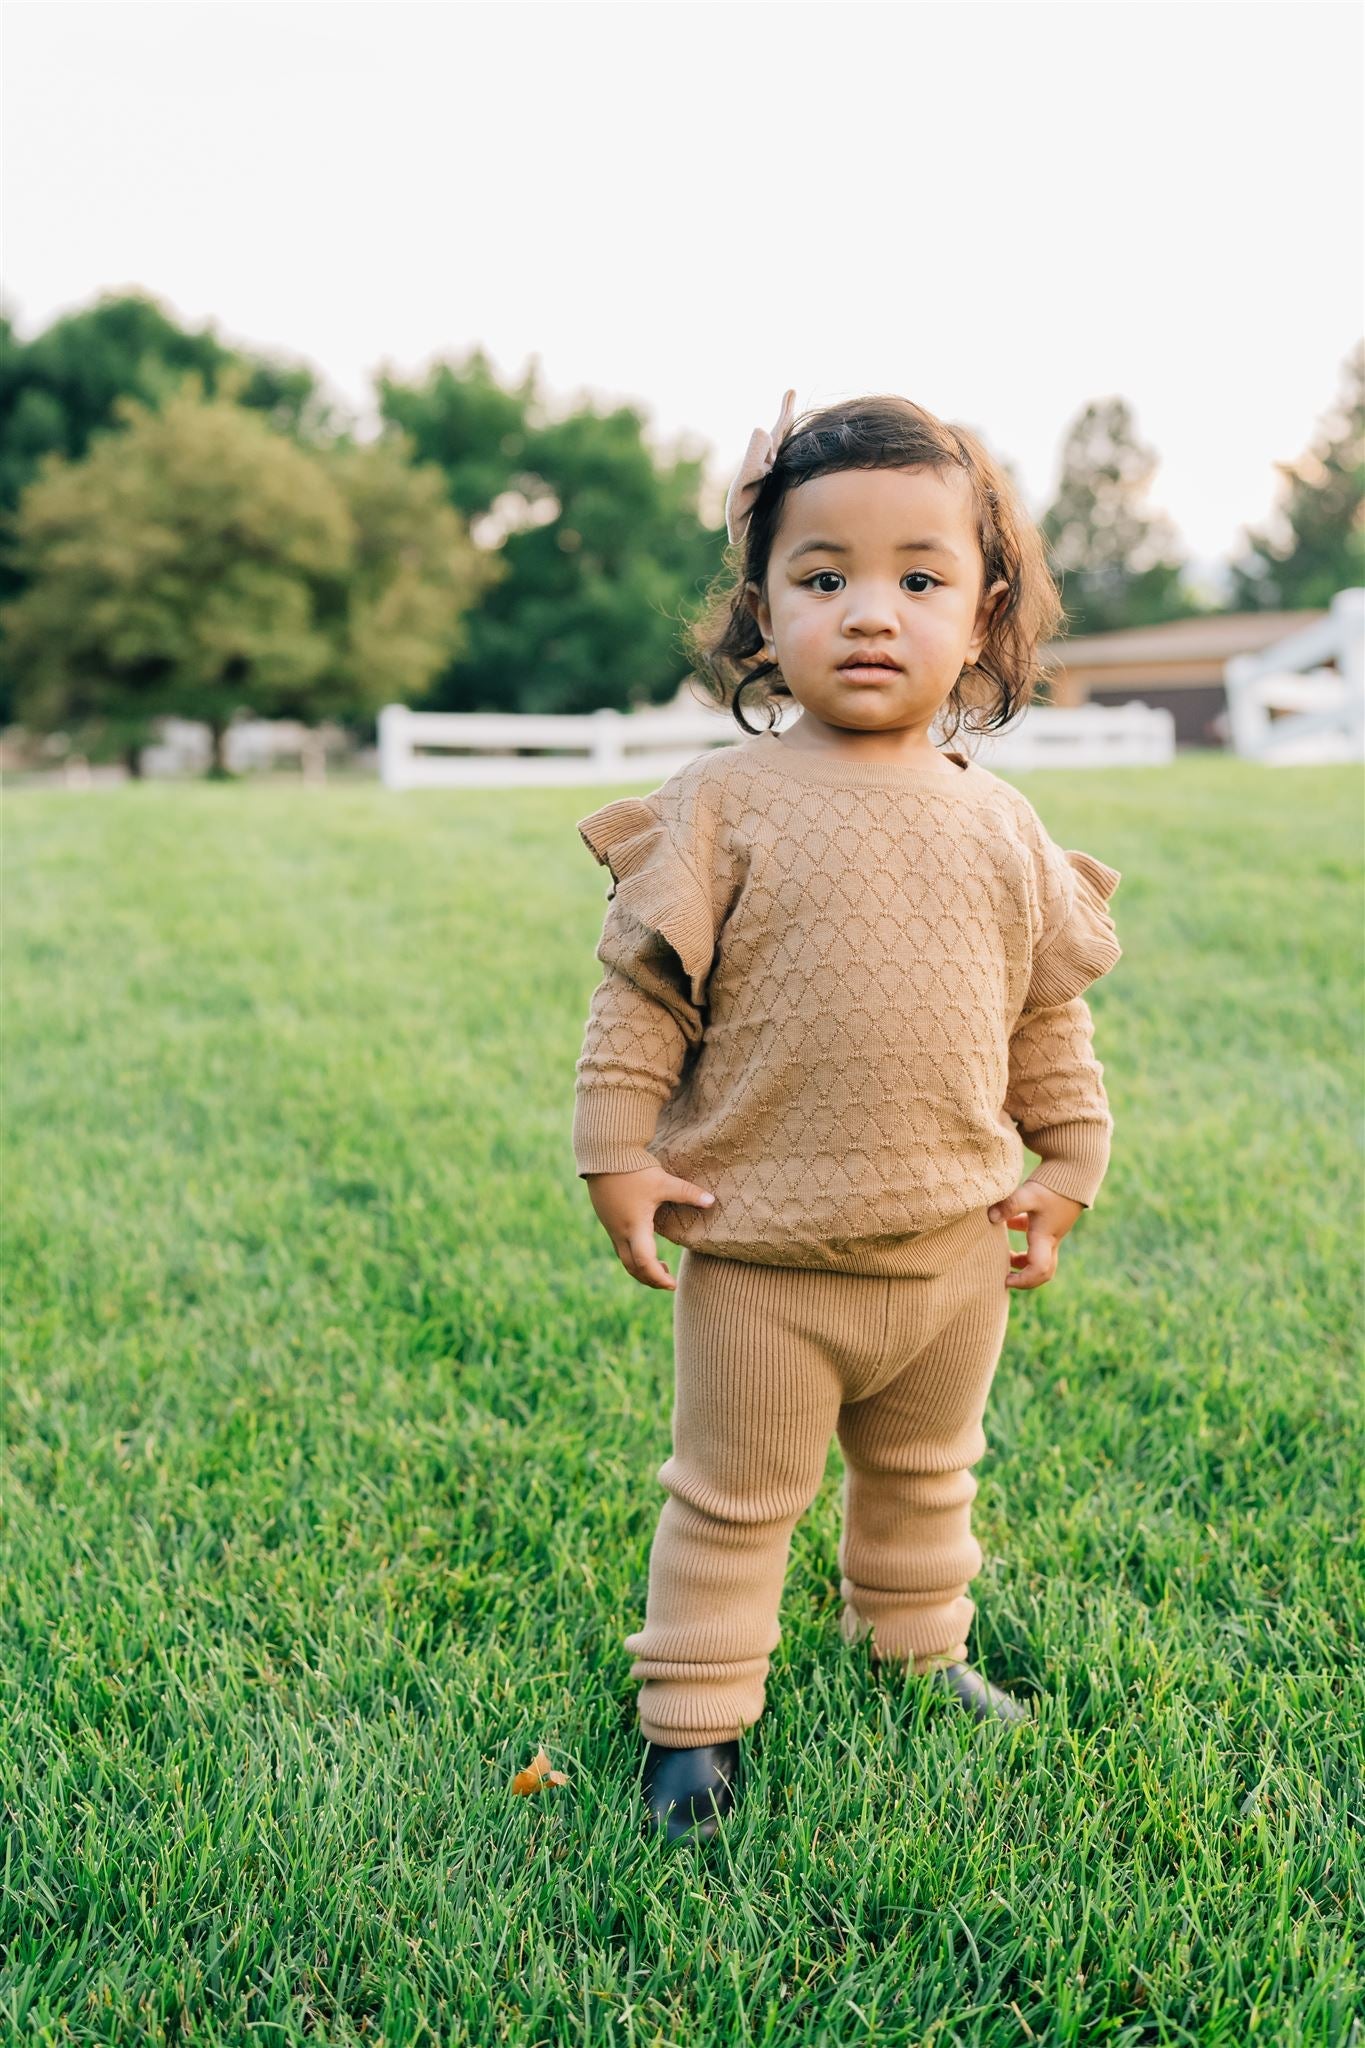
point(1177, 666)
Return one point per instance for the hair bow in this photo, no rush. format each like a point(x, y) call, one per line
point(759, 457)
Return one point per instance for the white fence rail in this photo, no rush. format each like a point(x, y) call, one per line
point(1286, 708)
point(184, 746)
point(507, 749)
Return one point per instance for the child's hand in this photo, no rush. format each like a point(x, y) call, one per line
point(625, 1205)
point(1046, 1217)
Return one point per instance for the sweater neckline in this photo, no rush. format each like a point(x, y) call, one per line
point(809, 766)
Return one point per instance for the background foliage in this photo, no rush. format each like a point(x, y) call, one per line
point(506, 554)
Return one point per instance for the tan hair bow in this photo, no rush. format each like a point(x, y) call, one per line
point(759, 457)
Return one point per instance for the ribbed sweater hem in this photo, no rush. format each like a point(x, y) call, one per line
point(923, 1252)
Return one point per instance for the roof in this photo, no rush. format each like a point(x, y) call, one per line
point(1215, 638)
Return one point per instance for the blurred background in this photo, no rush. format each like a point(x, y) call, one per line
point(400, 355)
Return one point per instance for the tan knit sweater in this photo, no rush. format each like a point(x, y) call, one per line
point(840, 994)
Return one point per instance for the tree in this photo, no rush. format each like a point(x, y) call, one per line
point(198, 562)
point(414, 579)
point(61, 388)
point(1316, 544)
point(473, 427)
point(1117, 559)
point(602, 543)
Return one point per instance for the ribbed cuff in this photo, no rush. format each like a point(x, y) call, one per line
point(611, 1129)
point(1073, 1160)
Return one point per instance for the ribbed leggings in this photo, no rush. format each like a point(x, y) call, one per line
point(770, 1362)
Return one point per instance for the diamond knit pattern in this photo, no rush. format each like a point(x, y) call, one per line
point(841, 996)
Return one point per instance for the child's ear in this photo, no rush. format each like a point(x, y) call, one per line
point(753, 597)
point(985, 614)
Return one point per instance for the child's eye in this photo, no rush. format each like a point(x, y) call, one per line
point(922, 574)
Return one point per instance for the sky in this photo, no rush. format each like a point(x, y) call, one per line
point(1002, 211)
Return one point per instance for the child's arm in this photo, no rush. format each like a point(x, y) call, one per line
point(1057, 1099)
point(646, 1015)
point(641, 1023)
point(1055, 1092)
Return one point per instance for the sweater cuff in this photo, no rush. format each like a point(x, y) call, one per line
point(611, 1128)
point(1073, 1159)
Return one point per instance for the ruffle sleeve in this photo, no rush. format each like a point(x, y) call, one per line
point(1079, 942)
point(654, 882)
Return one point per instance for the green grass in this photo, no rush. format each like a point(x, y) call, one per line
point(333, 1427)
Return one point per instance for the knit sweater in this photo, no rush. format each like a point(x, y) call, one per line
point(841, 995)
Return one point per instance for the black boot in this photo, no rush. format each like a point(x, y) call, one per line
point(984, 1701)
point(697, 1784)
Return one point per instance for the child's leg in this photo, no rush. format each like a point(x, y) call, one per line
point(760, 1353)
point(907, 1552)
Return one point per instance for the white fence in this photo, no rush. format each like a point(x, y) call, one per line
point(1286, 708)
point(648, 746)
point(184, 746)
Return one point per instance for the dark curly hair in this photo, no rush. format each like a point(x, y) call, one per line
point(887, 432)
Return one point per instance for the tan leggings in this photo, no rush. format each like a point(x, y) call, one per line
point(770, 1362)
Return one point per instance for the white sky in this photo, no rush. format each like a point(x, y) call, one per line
point(1002, 211)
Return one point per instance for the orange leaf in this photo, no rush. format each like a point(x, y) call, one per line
point(536, 1774)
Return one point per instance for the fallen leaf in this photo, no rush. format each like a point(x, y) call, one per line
point(536, 1774)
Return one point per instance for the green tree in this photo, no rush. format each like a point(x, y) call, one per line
point(603, 546)
point(1316, 544)
point(472, 426)
point(1117, 559)
point(62, 387)
point(198, 562)
point(413, 583)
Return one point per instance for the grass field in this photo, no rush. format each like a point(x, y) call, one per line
point(333, 1427)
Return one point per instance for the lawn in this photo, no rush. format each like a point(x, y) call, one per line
point(332, 1433)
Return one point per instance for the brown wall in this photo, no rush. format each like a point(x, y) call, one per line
point(1193, 706)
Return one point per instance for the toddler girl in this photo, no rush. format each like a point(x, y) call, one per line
point(844, 975)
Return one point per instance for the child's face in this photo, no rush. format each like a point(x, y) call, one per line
point(840, 583)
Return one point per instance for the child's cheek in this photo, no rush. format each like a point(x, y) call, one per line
point(810, 643)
